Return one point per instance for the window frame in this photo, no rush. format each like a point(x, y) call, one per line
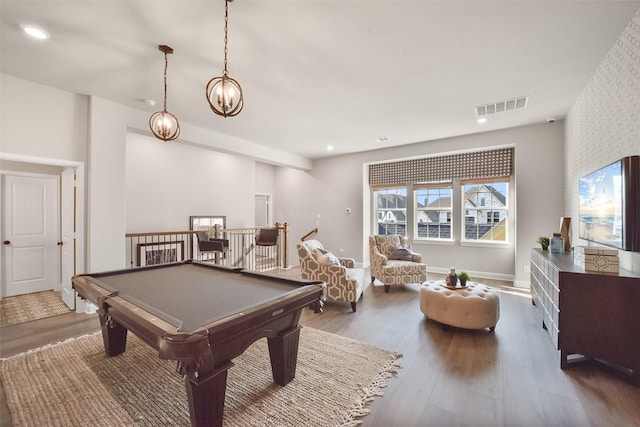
point(448, 186)
point(507, 208)
point(397, 188)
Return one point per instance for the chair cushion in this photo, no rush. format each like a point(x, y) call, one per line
point(326, 258)
point(402, 253)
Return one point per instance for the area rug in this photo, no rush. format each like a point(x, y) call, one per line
point(73, 383)
point(28, 307)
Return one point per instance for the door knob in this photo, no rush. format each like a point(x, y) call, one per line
point(60, 243)
point(7, 242)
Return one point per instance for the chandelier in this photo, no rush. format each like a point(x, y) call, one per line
point(224, 93)
point(163, 124)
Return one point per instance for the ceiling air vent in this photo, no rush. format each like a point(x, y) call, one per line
point(501, 106)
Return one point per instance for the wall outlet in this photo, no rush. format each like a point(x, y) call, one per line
point(527, 268)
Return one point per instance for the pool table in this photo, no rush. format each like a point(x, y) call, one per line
point(202, 316)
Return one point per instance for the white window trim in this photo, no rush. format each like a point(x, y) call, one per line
point(437, 240)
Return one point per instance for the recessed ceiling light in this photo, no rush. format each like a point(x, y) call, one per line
point(35, 32)
point(482, 120)
point(329, 147)
point(382, 139)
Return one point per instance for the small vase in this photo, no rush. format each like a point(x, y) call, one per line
point(453, 277)
point(453, 280)
point(463, 282)
point(545, 247)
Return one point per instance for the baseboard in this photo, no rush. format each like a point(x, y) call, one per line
point(525, 284)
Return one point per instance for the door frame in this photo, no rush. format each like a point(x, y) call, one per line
point(79, 214)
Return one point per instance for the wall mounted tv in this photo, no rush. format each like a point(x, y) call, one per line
point(609, 206)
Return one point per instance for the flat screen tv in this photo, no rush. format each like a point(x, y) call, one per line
point(609, 206)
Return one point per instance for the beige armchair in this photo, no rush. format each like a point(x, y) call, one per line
point(394, 271)
point(344, 281)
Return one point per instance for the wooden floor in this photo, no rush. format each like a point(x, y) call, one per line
point(449, 377)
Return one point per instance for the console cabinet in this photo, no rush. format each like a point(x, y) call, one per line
point(588, 314)
point(545, 292)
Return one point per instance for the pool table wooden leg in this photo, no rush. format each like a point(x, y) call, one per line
point(114, 335)
point(283, 351)
point(206, 397)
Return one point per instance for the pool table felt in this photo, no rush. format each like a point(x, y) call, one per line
point(190, 295)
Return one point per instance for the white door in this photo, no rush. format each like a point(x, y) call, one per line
point(263, 210)
point(31, 258)
point(68, 233)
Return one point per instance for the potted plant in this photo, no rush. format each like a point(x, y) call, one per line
point(544, 242)
point(463, 277)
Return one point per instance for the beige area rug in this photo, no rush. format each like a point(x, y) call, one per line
point(73, 383)
point(24, 308)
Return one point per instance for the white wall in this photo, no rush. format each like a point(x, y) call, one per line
point(265, 178)
point(318, 199)
point(603, 125)
point(41, 121)
point(322, 195)
point(166, 182)
point(106, 185)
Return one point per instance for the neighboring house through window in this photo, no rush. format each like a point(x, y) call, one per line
point(433, 211)
point(486, 211)
point(391, 211)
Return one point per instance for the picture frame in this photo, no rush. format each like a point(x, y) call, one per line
point(207, 222)
point(160, 253)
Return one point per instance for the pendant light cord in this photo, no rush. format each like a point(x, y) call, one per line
point(226, 23)
point(166, 63)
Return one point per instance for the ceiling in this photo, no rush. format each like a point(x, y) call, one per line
point(345, 73)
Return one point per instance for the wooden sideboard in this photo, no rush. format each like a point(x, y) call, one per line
point(588, 314)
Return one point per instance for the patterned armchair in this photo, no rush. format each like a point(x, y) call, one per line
point(394, 271)
point(344, 281)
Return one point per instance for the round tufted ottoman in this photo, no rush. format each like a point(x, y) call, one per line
point(475, 306)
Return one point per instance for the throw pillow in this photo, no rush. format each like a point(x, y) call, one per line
point(318, 253)
point(402, 253)
point(326, 258)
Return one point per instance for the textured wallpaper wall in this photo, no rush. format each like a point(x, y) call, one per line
point(603, 125)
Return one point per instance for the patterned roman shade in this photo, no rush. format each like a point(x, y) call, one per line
point(479, 164)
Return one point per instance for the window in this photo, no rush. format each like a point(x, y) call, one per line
point(433, 212)
point(486, 211)
point(453, 197)
point(391, 211)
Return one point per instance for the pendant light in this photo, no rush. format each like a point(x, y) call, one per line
point(224, 94)
point(163, 124)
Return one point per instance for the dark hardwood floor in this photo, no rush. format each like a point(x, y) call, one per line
point(449, 377)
